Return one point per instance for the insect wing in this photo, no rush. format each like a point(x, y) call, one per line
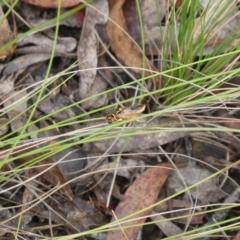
point(130, 112)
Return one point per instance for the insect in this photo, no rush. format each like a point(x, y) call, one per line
point(125, 113)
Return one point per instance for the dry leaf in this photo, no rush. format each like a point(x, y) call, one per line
point(153, 12)
point(210, 153)
point(3, 126)
point(22, 62)
point(206, 192)
point(237, 237)
point(6, 36)
point(126, 167)
point(143, 141)
point(13, 98)
point(74, 219)
point(5, 214)
point(167, 227)
point(60, 173)
point(141, 194)
point(7, 85)
point(53, 175)
point(53, 3)
point(186, 210)
point(124, 46)
point(50, 106)
point(98, 86)
point(70, 161)
point(97, 13)
point(221, 215)
point(45, 44)
point(226, 119)
point(101, 191)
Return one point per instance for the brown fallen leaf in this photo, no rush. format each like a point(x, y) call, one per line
point(121, 43)
point(141, 194)
point(53, 3)
point(6, 36)
point(237, 237)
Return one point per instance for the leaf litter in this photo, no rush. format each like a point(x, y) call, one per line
point(91, 173)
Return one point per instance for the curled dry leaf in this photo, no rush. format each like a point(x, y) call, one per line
point(6, 36)
point(124, 46)
point(140, 195)
point(20, 63)
point(143, 141)
point(45, 45)
point(96, 13)
point(53, 3)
